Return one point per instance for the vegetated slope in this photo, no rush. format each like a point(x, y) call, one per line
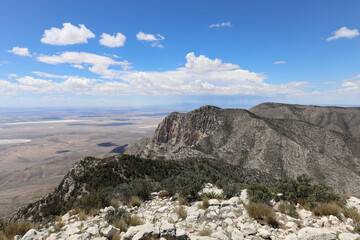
point(92, 182)
point(341, 119)
point(280, 147)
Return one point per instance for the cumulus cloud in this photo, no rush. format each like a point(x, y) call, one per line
point(199, 76)
point(20, 51)
point(151, 38)
point(117, 40)
point(97, 63)
point(279, 62)
point(343, 32)
point(223, 24)
point(67, 35)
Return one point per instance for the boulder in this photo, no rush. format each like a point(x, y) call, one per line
point(244, 196)
point(214, 202)
point(30, 235)
point(142, 232)
point(110, 231)
point(348, 236)
point(248, 229)
point(309, 233)
point(92, 230)
point(167, 230)
point(181, 235)
point(264, 233)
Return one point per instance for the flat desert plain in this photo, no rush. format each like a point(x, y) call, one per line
point(38, 146)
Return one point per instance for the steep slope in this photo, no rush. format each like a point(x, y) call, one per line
point(341, 119)
point(280, 147)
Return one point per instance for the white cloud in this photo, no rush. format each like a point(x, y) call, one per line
point(223, 24)
point(20, 51)
point(151, 38)
point(343, 32)
point(200, 76)
point(67, 35)
point(279, 62)
point(98, 64)
point(117, 40)
point(12, 75)
point(78, 66)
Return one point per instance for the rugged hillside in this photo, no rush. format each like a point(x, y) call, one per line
point(93, 182)
point(280, 147)
point(341, 119)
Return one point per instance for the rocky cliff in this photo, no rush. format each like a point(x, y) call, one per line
point(289, 146)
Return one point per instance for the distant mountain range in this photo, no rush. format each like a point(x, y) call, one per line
point(279, 139)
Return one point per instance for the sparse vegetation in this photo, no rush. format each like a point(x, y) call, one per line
point(120, 224)
point(181, 212)
point(259, 193)
point(205, 232)
point(163, 194)
point(212, 195)
point(182, 200)
point(262, 211)
point(134, 202)
point(134, 221)
point(327, 209)
point(205, 203)
point(288, 209)
point(9, 230)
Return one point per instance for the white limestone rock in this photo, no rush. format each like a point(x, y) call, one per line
point(30, 235)
point(348, 236)
point(310, 233)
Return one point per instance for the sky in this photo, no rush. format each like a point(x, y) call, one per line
point(143, 53)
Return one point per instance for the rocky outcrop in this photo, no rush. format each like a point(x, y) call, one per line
point(280, 147)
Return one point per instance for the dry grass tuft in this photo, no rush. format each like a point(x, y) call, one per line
point(18, 228)
point(205, 203)
point(181, 212)
point(352, 213)
point(82, 215)
point(58, 219)
point(74, 212)
point(134, 202)
point(114, 202)
point(205, 232)
point(120, 224)
point(163, 194)
point(116, 236)
point(261, 211)
point(135, 221)
point(288, 209)
point(182, 200)
point(58, 226)
point(327, 209)
point(93, 212)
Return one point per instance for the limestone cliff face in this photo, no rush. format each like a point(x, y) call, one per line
point(281, 147)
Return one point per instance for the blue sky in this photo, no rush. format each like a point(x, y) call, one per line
point(147, 53)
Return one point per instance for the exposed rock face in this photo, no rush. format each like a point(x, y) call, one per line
point(281, 147)
point(341, 119)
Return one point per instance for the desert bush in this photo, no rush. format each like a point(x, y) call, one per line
point(259, 193)
point(118, 214)
point(116, 236)
point(302, 191)
point(74, 211)
point(138, 187)
point(327, 209)
point(59, 225)
point(262, 211)
point(134, 202)
point(232, 189)
point(288, 209)
point(205, 232)
point(181, 212)
point(182, 200)
point(163, 194)
point(114, 202)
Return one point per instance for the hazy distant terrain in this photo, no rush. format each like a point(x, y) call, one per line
point(38, 146)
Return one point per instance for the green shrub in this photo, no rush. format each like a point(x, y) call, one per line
point(118, 214)
point(259, 193)
point(262, 211)
point(232, 189)
point(211, 195)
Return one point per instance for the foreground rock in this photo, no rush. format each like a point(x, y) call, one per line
point(223, 220)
